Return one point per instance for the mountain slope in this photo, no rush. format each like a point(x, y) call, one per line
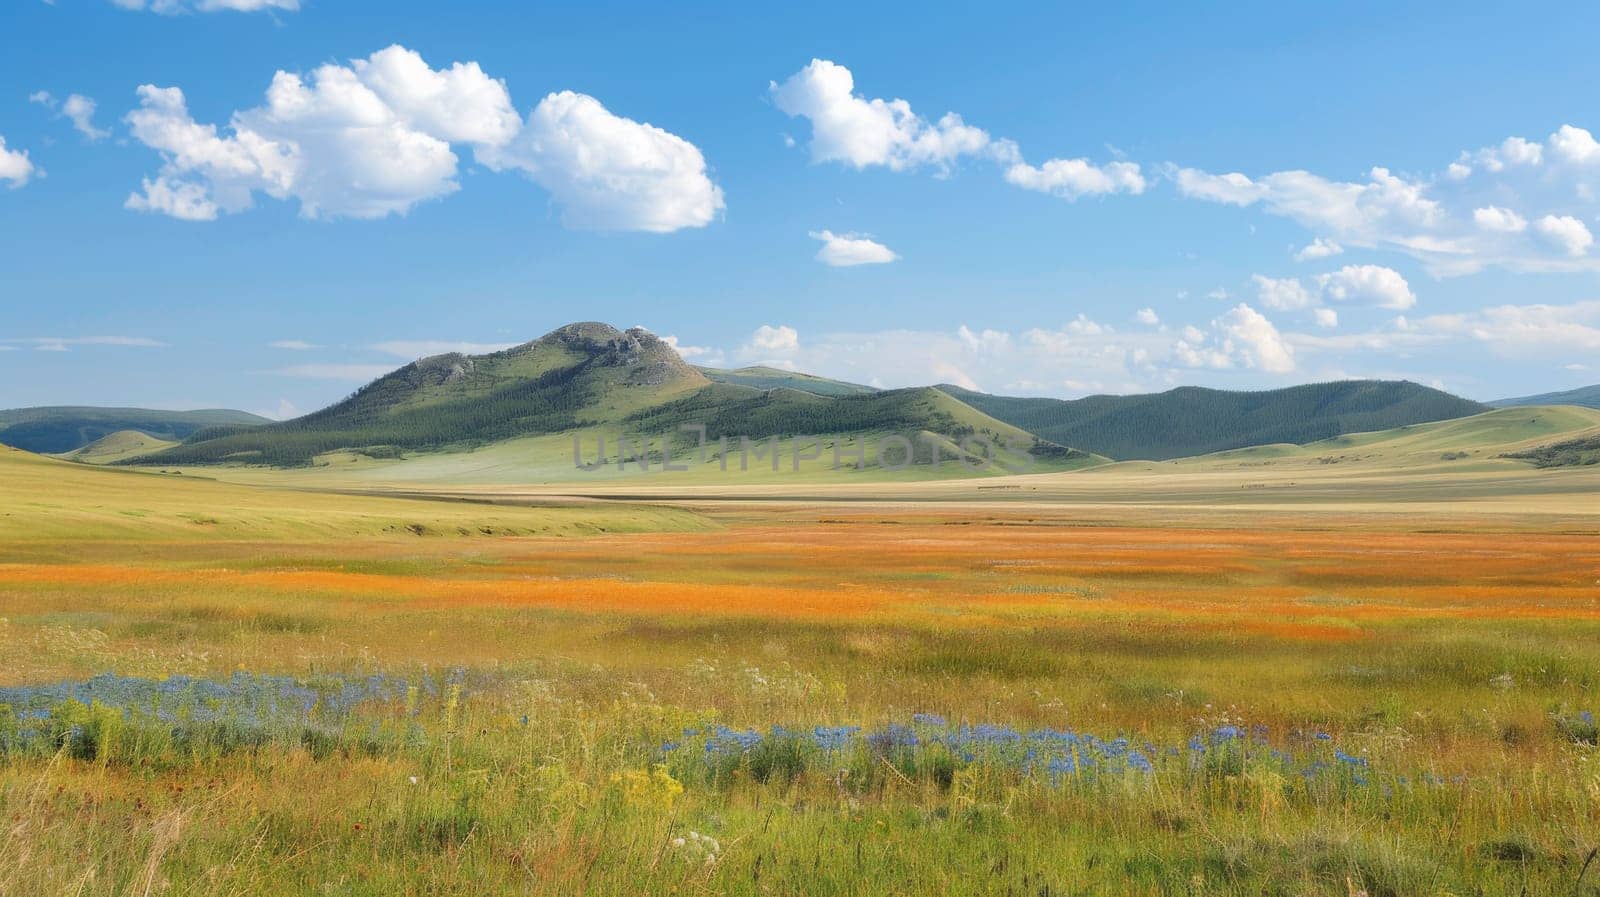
point(584, 377)
point(762, 377)
point(1498, 439)
point(578, 375)
point(1585, 396)
point(57, 429)
point(1195, 421)
point(122, 445)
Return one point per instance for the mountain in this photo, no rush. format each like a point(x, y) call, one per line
point(54, 430)
point(1585, 396)
point(583, 377)
point(1192, 420)
point(578, 375)
point(762, 377)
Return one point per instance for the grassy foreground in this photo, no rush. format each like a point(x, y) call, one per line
point(299, 698)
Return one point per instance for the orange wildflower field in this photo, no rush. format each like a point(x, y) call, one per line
point(1306, 583)
point(1321, 694)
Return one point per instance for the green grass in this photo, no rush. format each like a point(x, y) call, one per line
point(122, 445)
point(56, 500)
point(1480, 441)
point(546, 774)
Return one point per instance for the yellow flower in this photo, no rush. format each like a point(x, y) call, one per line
point(648, 788)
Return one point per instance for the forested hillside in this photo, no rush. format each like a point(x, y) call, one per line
point(1195, 421)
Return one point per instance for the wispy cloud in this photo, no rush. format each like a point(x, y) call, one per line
point(293, 345)
point(173, 7)
point(356, 372)
point(65, 343)
point(1520, 205)
point(76, 108)
point(426, 347)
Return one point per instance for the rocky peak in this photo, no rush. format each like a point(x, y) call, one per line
point(447, 368)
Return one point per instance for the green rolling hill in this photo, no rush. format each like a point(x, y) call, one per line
point(592, 377)
point(516, 412)
point(1540, 436)
point(123, 445)
point(59, 429)
point(1192, 420)
point(1584, 396)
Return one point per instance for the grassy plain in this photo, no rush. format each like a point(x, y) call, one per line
point(1375, 690)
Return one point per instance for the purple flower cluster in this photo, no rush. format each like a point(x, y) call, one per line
point(34, 716)
point(1057, 755)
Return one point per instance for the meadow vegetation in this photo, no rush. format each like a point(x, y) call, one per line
point(299, 697)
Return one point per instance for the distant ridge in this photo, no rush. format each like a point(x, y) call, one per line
point(66, 428)
point(1583, 396)
point(584, 376)
point(1192, 420)
point(591, 375)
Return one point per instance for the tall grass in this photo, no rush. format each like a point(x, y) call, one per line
point(500, 783)
point(1022, 711)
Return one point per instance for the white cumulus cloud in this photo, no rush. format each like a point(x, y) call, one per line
point(1368, 284)
point(379, 136)
point(608, 172)
point(1247, 334)
point(15, 166)
point(1319, 248)
point(849, 250)
point(1566, 232)
point(861, 132)
point(1575, 145)
point(1497, 219)
point(1283, 293)
point(781, 339)
point(1373, 285)
point(705, 353)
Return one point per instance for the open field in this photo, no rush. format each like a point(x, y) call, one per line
point(1450, 468)
point(1124, 687)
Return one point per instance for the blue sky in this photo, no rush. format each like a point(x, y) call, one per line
point(1130, 199)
